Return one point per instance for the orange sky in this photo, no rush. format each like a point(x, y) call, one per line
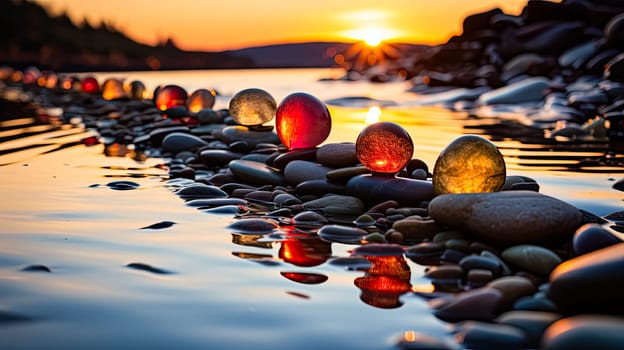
point(228, 24)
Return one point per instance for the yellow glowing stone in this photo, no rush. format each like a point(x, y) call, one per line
point(467, 165)
point(251, 107)
point(113, 89)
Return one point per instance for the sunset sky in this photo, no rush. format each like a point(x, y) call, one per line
point(229, 24)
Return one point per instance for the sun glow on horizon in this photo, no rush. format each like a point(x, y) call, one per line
point(371, 36)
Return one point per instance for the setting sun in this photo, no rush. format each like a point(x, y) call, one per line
point(371, 36)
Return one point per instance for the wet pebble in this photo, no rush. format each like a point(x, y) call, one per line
point(481, 304)
point(305, 154)
point(342, 234)
point(416, 230)
point(36, 268)
point(215, 202)
point(532, 258)
point(412, 340)
point(309, 220)
point(585, 332)
point(177, 142)
point(285, 200)
point(233, 134)
point(426, 253)
point(202, 191)
point(123, 185)
point(159, 225)
point(337, 204)
point(337, 155)
point(512, 288)
point(379, 249)
point(488, 336)
point(345, 174)
point(494, 217)
point(253, 226)
point(256, 173)
point(591, 237)
point(319, 188)
point(299, 171)
point(532, 323)
point(148, 268)
point(586, 283)
point(218, 157)
point(480, 262)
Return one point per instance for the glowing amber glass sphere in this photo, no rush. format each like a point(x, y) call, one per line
point(113, 89)
point(89, 85)
point(201, 99)
point(170, 96)
point(302, 121)
point(384, 147)
point(252, 107)
point(469, 164)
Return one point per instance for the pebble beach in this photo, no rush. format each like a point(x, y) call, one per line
point(500, 264)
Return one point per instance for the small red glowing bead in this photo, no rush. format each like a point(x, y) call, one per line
point(170, 96)
point(384, 147)
point(302, 121)
point(201, 99)
point(89, 85)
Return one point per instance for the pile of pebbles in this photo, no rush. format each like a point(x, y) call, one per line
point(558, 66)
point(512, 269)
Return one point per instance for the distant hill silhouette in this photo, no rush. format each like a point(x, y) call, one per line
point(29, 35)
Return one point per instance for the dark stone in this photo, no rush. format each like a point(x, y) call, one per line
point(532, 323)
point(596, 64)
point(373, 189)
point(157, 135)
point(200, 191)
point(319, 188)
point(159, 225)
point(590, 283)
point(36, 268)
point(479, 21)
point(591, 237)
point(148, 268)
point(218, 157)
point(215, 202)
point(283, 159)
point(479, 335)
point(480, 262)
point(585, 332)
point(342, 234)
point(479, 304)
point(256, 173)
point(123, 185)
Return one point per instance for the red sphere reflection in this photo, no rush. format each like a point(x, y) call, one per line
point(89, 85)
point(385, 281)
point(170, 96)
point(304, 251)
point(384, 147)
point(113, 89)
point(302, 121)
point(201, 99)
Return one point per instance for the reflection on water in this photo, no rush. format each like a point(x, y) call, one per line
point(302, 292)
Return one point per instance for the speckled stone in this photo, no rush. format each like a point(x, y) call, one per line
point(507, 218)
point(337, 155)
point(299, 171)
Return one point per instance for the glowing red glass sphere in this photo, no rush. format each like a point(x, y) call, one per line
point(384, 147)
point(201, 99)
point(302, 121)
point(170, 96)
point(89, 85)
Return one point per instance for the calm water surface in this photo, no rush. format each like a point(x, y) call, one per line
point(224, 290)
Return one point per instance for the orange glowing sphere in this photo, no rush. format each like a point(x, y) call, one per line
point(302, 121)
point(201, 99)
point(89, 85)
point(384, 147)
point(170, 96)
point(112, 89)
